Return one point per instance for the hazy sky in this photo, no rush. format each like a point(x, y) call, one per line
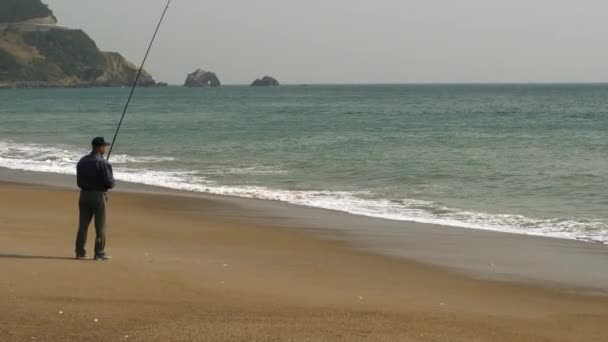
point(355, 41)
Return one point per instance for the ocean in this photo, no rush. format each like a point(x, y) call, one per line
point(528, 159)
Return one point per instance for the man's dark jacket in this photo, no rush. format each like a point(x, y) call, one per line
point(94, 173)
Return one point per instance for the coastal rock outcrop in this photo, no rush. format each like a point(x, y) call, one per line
point(119, 71)
point(266, 81)
point(35, 52)
point(201, 78)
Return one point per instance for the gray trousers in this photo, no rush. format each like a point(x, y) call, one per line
point(92, 204)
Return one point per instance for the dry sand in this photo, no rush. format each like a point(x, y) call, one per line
point(185, 269)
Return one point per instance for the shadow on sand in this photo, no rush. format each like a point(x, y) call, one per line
point(33, 257)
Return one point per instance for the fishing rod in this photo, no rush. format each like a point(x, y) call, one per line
point(141, 68)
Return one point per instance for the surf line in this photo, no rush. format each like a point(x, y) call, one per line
point(141, 68)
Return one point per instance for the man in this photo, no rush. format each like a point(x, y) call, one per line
point(95, 178)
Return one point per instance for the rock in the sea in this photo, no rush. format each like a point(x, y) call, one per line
point(202, 78)
point(265, 81)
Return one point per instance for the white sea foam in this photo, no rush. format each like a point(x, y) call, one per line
point(40, 158)
point(246, 170)
point(123, 159)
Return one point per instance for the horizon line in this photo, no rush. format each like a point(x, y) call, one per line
point(418, 83)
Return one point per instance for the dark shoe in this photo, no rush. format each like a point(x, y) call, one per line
point(102, 258)
point(81, 257)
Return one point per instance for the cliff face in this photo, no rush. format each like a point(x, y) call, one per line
point(36, 53)
point(119, 71)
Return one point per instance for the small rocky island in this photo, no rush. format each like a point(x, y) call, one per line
point(266, 81)
point(36, 52)
point(202, 79)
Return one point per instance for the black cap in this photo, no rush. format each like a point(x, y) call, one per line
point(99, 141)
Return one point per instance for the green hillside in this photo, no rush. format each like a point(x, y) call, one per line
point(71, 50)
point(20, 10)
point(12, 70)
point(47, 56)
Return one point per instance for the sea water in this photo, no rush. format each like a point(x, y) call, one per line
point(530, 159)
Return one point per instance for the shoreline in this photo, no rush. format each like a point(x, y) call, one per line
point(189, 268)
point(43, 85)
point(542, 220)
point(571, 265)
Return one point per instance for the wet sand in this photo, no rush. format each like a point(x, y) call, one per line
point(203, 269)
point(557, 263)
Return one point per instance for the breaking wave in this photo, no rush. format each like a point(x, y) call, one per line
point(138, 169)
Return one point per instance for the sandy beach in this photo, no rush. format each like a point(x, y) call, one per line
point(430, 171)
point(196, 269)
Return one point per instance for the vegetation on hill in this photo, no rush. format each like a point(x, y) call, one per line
point(19, 10)
point(11, 69)
point(59, 58)
point(32, 56)
point(71, 50)
point(8, 62)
